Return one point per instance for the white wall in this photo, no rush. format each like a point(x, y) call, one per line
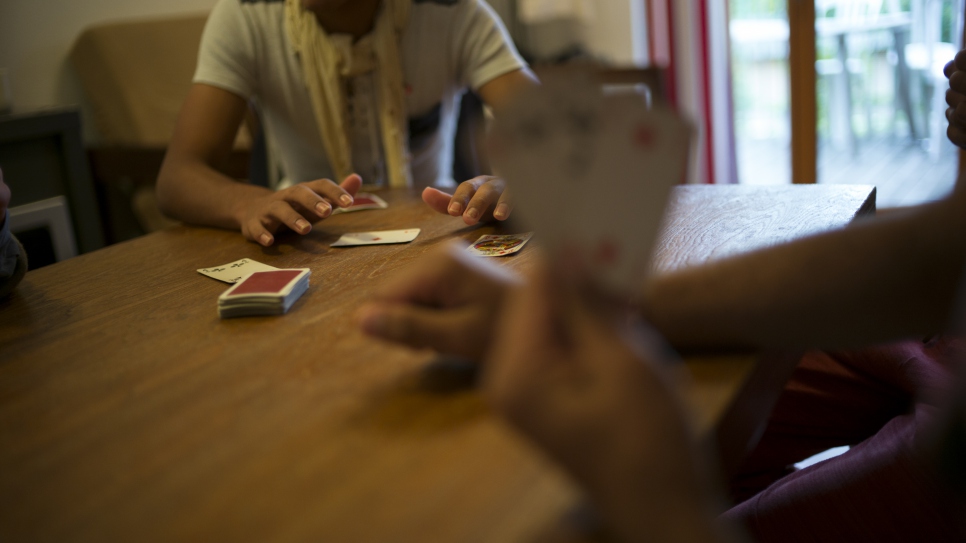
point(616, 33)
point(36, 36)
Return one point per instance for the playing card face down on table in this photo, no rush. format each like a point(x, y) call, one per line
point(264, 293)
point(363, 201)
point(591, 174)
point(383, 237)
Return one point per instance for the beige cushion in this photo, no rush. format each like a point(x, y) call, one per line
point(136, 75)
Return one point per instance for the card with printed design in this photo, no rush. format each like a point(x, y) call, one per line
point(499, 245)
point(235, 271)
point(384, 237)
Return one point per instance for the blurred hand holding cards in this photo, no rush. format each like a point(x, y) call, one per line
point(591, 174)
point(264, 293)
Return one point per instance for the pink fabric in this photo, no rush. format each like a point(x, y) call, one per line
point(880, 401)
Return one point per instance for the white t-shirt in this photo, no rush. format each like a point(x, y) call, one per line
point(448, 46)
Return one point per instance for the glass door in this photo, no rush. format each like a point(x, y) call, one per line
point(881, 95)
point(865, 78)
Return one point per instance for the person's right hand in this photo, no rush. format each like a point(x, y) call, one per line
point(955, 70)
point(296, 207)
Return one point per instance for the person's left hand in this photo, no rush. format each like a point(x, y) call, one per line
point(955, 71)
point(480, 199)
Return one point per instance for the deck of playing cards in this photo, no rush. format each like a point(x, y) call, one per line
point(264, 293)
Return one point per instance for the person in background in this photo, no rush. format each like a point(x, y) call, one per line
point(13, 259)
point(599, 405)
point(361, 91)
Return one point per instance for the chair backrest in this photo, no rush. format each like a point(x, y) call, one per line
point(136, 75)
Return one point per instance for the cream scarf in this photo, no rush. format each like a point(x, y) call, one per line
point(328, 59)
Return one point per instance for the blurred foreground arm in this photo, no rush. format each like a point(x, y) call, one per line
point(603, 408)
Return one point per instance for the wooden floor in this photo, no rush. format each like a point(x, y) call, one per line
point(902, 171)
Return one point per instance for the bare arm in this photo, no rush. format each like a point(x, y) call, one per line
point(881, 279)
point(192, 188)
point(498, 92)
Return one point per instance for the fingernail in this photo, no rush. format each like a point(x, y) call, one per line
point(454, 208)
point(345, 200)
point(473, 213)
point(302, 225)
point(266, 239)
point(501, 211)
point(323, 208)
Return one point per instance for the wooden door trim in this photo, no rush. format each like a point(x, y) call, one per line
point(803, 99)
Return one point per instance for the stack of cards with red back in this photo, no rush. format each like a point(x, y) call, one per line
point(264, 293)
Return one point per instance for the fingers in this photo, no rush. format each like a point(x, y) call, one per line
point(503, 207)
point(483, 200)
point(957, 84)
point(305, 198)
point(957, 134)
point(436, 199)
point(474, 200)
point(255, 231)
point(351, 184)
point(420, 327)
point(960, 60)
point(464, 192)
point(445, 278)
point(261, 227)
point(332, 192)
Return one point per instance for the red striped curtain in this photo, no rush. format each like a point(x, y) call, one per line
point(690, 38)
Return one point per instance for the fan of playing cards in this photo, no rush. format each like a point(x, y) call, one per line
point(264, 293)
point(568, 150)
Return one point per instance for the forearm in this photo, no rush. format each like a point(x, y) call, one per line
point(193, 192)
point(882, 279)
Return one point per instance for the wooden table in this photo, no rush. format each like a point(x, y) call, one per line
point(130, 412)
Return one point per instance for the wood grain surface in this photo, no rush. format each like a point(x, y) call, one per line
point(130, 412)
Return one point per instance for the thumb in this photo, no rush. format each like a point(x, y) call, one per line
point(437, 199)
point(419, 327)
